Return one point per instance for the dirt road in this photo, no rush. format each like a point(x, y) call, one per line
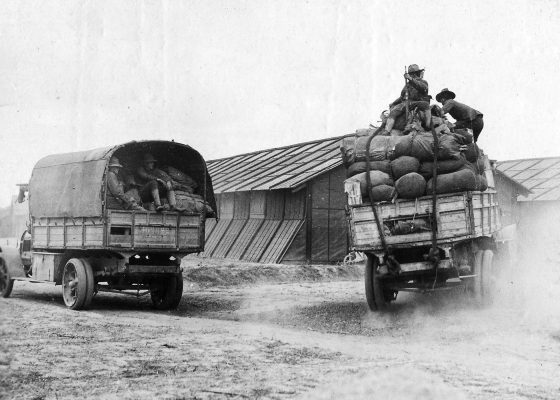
point(312, 339)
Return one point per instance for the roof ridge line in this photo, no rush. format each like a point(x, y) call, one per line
point(529, 159)
point(283, 147)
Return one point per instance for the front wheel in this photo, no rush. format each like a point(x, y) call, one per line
point(166, 293)
point(373, 285)
point(6, 283)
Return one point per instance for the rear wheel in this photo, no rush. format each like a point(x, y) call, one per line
point(77, 284)
point(166, 293)
point(6, 283)
point(476, 284)
point(373, 285)
point(487, 279)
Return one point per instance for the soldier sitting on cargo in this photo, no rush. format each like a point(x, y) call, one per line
point(466, 117)
point(417, 89)
point(155, 182)
point(127, 196)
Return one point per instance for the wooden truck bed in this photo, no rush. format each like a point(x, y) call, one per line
point(121, 230)
point(460, 216)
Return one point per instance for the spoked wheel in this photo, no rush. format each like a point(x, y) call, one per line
point(166, 293)
point(77, 284)
point(6, 284)
point(377, 297)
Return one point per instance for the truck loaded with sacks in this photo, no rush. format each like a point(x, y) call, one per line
point(422, 206)
point(95, 225)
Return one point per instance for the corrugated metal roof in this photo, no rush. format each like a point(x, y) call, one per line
point(291, 166)
point(279, 168)
point(541, 175)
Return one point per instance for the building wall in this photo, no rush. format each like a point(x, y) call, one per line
point(327, 218)
point(507, 198)
point(308, 225)
point(255, 226)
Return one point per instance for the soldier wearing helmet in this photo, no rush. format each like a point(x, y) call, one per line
point(417, 89)
point(129, 199)
point(156, 183)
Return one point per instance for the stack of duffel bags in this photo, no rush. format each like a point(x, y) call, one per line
point(402, 166)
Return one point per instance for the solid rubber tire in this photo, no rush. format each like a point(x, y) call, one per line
point(166, 294)
point(6, 283)
point(81, 287)
point(487, 280)
point(477, 281)
point(90, 280)
point(373, 285)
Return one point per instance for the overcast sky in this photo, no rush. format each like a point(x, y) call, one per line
point(228, 77)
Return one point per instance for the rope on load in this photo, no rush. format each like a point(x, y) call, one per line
point(392, 264)
point(433, 256)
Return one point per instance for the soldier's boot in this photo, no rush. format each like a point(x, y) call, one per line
point(157, 200)
point(389, 124)
point(173, 201)
point(427, 119)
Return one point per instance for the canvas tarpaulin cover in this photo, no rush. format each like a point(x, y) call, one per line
point(68, 185)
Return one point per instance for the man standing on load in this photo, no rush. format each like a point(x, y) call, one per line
point(414, 95)
point(466, 117)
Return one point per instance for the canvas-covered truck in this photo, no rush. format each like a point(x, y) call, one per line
point(80, 238)
point(431, 242)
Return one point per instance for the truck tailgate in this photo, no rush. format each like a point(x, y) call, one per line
point(459, 216)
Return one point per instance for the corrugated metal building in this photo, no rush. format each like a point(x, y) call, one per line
point(287, 204)
point(280, 205)
point(538, 214)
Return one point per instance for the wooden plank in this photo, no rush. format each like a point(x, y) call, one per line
point(275, 204)
point(74, 235)
point(56, 236)
point(242, 203)
point(210, 225)
point(320, 192)
point(228, 238)
point(93, 236)
point(40, 236)
point(244, 238)
point(338, 240)
point(122, 218)
point(297, 249)
point(262, 238)
point(214, 239)
point(258, 204)
point(149, 236)
point(337, 197)
point(189, 237)
point(281, 240)
point(227, 205)
point(295, 205)
point(320, 235)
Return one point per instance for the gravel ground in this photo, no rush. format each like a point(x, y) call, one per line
point(282, 332)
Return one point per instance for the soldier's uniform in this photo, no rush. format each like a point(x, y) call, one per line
point(418, 98)
point(466, 117)
point(128, 199)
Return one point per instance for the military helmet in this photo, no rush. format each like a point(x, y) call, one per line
point(114, 162)
point(149, 158)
